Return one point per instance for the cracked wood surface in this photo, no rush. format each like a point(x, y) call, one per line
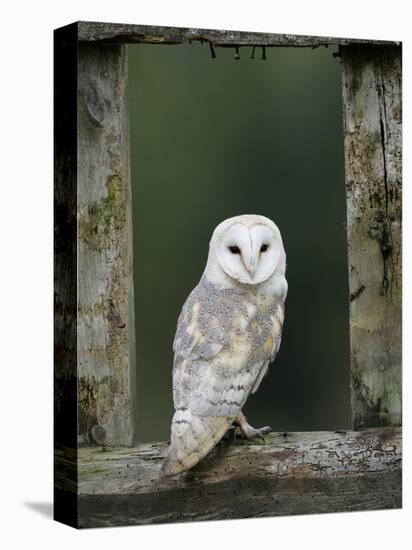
point(125, 33)
point(373, 166)
point(105, 316)
point(292, 473)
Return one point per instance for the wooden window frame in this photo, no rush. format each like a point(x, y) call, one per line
point(292, 473)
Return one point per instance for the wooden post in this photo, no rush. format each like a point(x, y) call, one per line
point(106, 336)
point(372, 134)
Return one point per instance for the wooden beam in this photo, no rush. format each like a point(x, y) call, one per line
point(373, 156)
point(292, 473)
point(105, 315)
point(144, 34)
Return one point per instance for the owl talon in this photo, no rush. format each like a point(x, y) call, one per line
point(257, 433)
point(248, 431)
point(265, 430)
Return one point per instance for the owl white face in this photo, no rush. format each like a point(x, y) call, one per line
point(248, 248)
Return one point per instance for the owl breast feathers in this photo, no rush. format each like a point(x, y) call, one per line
point(227, 334)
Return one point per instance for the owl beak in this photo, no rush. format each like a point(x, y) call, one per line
point(250, 260)
point(252, 269)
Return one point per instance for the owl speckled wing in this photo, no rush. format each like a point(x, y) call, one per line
point(227, 333)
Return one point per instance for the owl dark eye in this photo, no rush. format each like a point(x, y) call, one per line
point(234, 249)
point(264, 247)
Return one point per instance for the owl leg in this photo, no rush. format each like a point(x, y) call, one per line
point(248, 431)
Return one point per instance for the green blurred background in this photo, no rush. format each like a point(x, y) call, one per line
point(213, 138)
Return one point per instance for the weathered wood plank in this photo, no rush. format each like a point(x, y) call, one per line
point(125, 33)
point(291, 473)
point(106, 340)
point(372, 133)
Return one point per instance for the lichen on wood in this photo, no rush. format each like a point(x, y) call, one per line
point(372, 133)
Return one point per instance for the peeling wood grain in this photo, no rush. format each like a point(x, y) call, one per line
point(294, 474)
point(372, 133)
point(143, 34)
point(105, 308)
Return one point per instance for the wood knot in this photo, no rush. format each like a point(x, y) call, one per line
point(97, 107)
point(380, 230)
point(114, 316)
point(98, 434)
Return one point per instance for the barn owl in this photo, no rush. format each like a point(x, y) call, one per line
point(227, 333)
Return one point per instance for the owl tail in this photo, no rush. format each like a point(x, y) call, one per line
point(192, 438)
